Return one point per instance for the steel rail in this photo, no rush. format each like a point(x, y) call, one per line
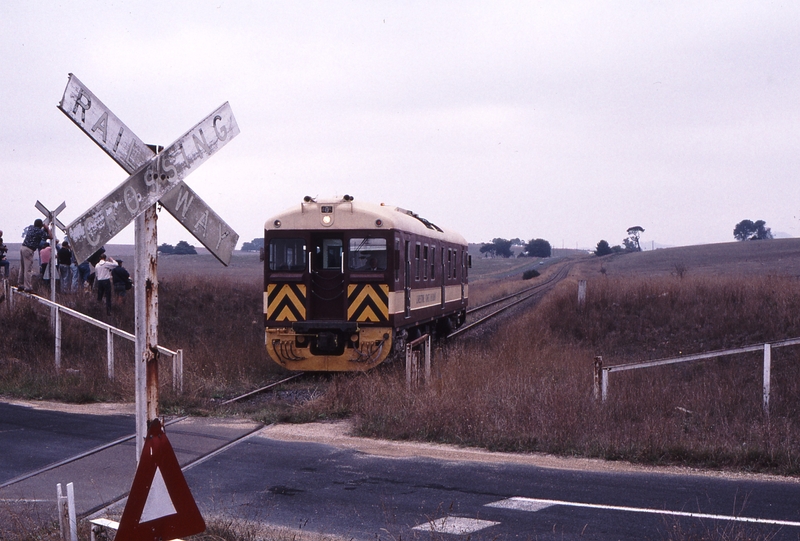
point(262, 389)
point(497, 301)
point(560, 275)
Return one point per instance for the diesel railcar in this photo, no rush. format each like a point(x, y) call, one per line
point(346, 283)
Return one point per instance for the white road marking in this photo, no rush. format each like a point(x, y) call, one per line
point(455, 525)
point(520, 504)
point(532, 504)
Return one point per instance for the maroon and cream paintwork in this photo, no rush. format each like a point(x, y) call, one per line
point(420, 286)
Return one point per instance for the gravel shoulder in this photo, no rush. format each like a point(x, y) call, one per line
point(337, 434)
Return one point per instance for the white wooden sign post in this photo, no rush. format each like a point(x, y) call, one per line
point(51, 219)
point(153, 178)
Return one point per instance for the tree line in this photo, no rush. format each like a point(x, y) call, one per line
point(502, 248)
point(744, 230)
point(629, 244)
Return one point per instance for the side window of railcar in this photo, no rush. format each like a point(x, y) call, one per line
point(433, 262)
point(416, 260)
point(396, 259)
point(287, 255)
point(425, 262)
point(367, 254)
point(449, 262)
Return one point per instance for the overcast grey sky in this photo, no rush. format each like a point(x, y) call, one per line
point(569, 121)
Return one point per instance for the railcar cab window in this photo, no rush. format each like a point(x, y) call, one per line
point(367, 254)
point(328, 255)
point(287, 255)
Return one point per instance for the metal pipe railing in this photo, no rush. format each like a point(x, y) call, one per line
point(601, 372)
point(111, 331)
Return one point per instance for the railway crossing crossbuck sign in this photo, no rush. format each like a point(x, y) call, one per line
point(152, 177)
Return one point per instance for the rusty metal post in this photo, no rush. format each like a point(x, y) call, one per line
point(598, 376)
point(767, 371)
point(146, 303)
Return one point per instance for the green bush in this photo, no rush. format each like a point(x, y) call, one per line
point(530, 273)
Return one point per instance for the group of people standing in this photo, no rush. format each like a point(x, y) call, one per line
point(99, 270)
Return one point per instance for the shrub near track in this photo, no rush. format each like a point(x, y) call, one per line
point(528, 385)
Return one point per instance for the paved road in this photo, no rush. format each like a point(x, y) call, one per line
point(351, 493)
point(367, 490)
point(33, 438)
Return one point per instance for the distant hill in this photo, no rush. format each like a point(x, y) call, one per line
point(763, 257)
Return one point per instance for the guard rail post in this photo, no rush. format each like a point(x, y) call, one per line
point(57, 328)
point(581, 294)
point(428, 360)
point(6, 294)
point(598, 376)
point(413, 357)
point(177, 371)
point(110, 353)
point(767, 369)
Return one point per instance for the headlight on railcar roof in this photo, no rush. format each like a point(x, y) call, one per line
point(326, 219)
point(276, 223)
point(378, 222)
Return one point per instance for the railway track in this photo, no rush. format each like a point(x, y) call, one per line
point(479, 315)
point(261, 389)
point(476, 317)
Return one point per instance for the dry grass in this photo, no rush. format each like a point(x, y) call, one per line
point(27, 527)
point(524, 386)
point(528, 385)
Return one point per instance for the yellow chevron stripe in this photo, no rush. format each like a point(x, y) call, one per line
point(368, 314)
point(286, 294)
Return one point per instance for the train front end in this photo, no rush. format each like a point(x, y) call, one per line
point(326, 286)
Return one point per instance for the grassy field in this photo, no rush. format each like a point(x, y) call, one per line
point(525, 385)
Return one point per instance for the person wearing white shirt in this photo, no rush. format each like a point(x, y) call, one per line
point(103, 278)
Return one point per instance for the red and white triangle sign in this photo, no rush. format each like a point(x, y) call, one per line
point(160, 504)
